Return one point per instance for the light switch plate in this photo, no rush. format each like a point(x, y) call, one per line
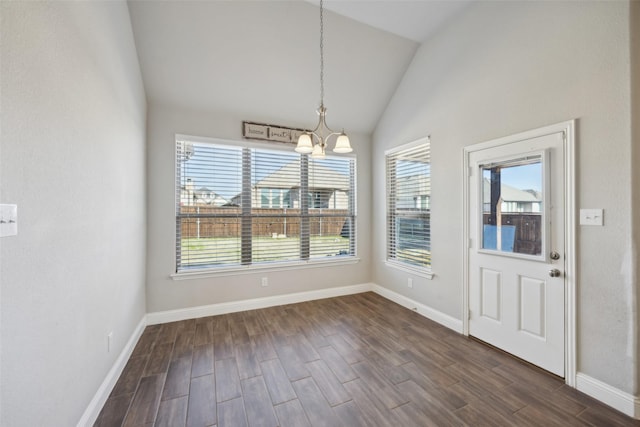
point(8, 220)
point(591, 216)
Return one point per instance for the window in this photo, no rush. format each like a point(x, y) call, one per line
point(241, 206)
point(274, 198)
point(408, 171)
point(512, 206)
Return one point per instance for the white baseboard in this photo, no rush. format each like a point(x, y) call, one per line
point(617, 399)
point(253, 304)
point(424, 310)
point(95, 406)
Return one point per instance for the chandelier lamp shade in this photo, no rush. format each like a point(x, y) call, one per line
point(315, 142)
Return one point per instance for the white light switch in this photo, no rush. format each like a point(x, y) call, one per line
point(8, 220)
point(591, 216)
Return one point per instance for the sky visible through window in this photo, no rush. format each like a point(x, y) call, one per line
point(229, 159)
point(523, 177)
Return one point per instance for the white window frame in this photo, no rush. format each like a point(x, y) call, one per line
point(196, 273)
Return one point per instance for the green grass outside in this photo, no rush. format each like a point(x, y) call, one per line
point(264, 249)
point(226, 250)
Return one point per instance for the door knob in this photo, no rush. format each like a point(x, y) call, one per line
point(555, 273)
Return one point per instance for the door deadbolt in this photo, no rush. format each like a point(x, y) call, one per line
point(554, 255)
point(555, 273)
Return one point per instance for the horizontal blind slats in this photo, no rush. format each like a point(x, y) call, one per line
point(213, 213)
point(408, 179)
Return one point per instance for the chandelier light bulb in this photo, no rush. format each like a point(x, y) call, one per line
point(318, 152)
point(305, 145)
point(342, 144)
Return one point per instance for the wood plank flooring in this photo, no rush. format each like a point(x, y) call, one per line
point(351, 361)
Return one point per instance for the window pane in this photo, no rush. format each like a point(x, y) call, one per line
point(208, 226)
point(275, 229)
point(275, 176)
point(199, 186)
point(413, 240)
point(413, 186)
point(329, 183)
point(512, 207)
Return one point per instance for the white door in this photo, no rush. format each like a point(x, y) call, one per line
point(517, 249)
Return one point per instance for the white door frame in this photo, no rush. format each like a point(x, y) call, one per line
point(568, 128)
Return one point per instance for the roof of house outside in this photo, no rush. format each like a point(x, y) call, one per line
point(414, 184)
point(206, 195)
point(320, 177)
point(512, 194)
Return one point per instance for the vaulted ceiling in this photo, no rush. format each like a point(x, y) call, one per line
point(260, 59)
point(415, 20)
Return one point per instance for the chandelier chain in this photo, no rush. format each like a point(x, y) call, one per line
point(321, 54)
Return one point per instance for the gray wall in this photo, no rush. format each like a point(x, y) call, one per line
point(506, 67)
point(163, 293)
point(72, 159)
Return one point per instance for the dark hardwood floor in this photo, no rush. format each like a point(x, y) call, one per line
point(358, 360)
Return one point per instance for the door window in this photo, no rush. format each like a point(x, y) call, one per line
point(513, 206)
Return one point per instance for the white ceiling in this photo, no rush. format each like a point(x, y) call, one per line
point(415, 20)
point(260, 59)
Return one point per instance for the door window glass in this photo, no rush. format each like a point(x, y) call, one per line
point(512, 206)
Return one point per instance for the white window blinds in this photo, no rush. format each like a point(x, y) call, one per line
point(408, 173)
point(244, 206)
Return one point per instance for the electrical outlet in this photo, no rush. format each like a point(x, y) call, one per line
point(264, 282)
point(109, 339)
point(410, 282)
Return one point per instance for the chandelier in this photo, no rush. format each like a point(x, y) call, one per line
point(315, 141)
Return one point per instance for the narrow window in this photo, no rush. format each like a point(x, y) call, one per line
point(408, 173)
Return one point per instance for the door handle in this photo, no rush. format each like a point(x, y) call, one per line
point(555, 272)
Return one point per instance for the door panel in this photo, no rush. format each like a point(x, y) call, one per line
point(516, 202)
point(532, 306)
point(491, 295)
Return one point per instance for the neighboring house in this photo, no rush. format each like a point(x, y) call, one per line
point(207, 196)
point(413, 192)
point(203, 196)
point(328, 188)
point(513, 199)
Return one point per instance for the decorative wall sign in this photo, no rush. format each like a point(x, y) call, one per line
point(255, 131)
point(270, 132)
point(279, 134)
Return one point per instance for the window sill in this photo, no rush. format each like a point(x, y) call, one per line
point(250, 269)
point(417, 271)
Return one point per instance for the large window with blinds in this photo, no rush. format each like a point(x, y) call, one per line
point(241, 206)
point(408, 175)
